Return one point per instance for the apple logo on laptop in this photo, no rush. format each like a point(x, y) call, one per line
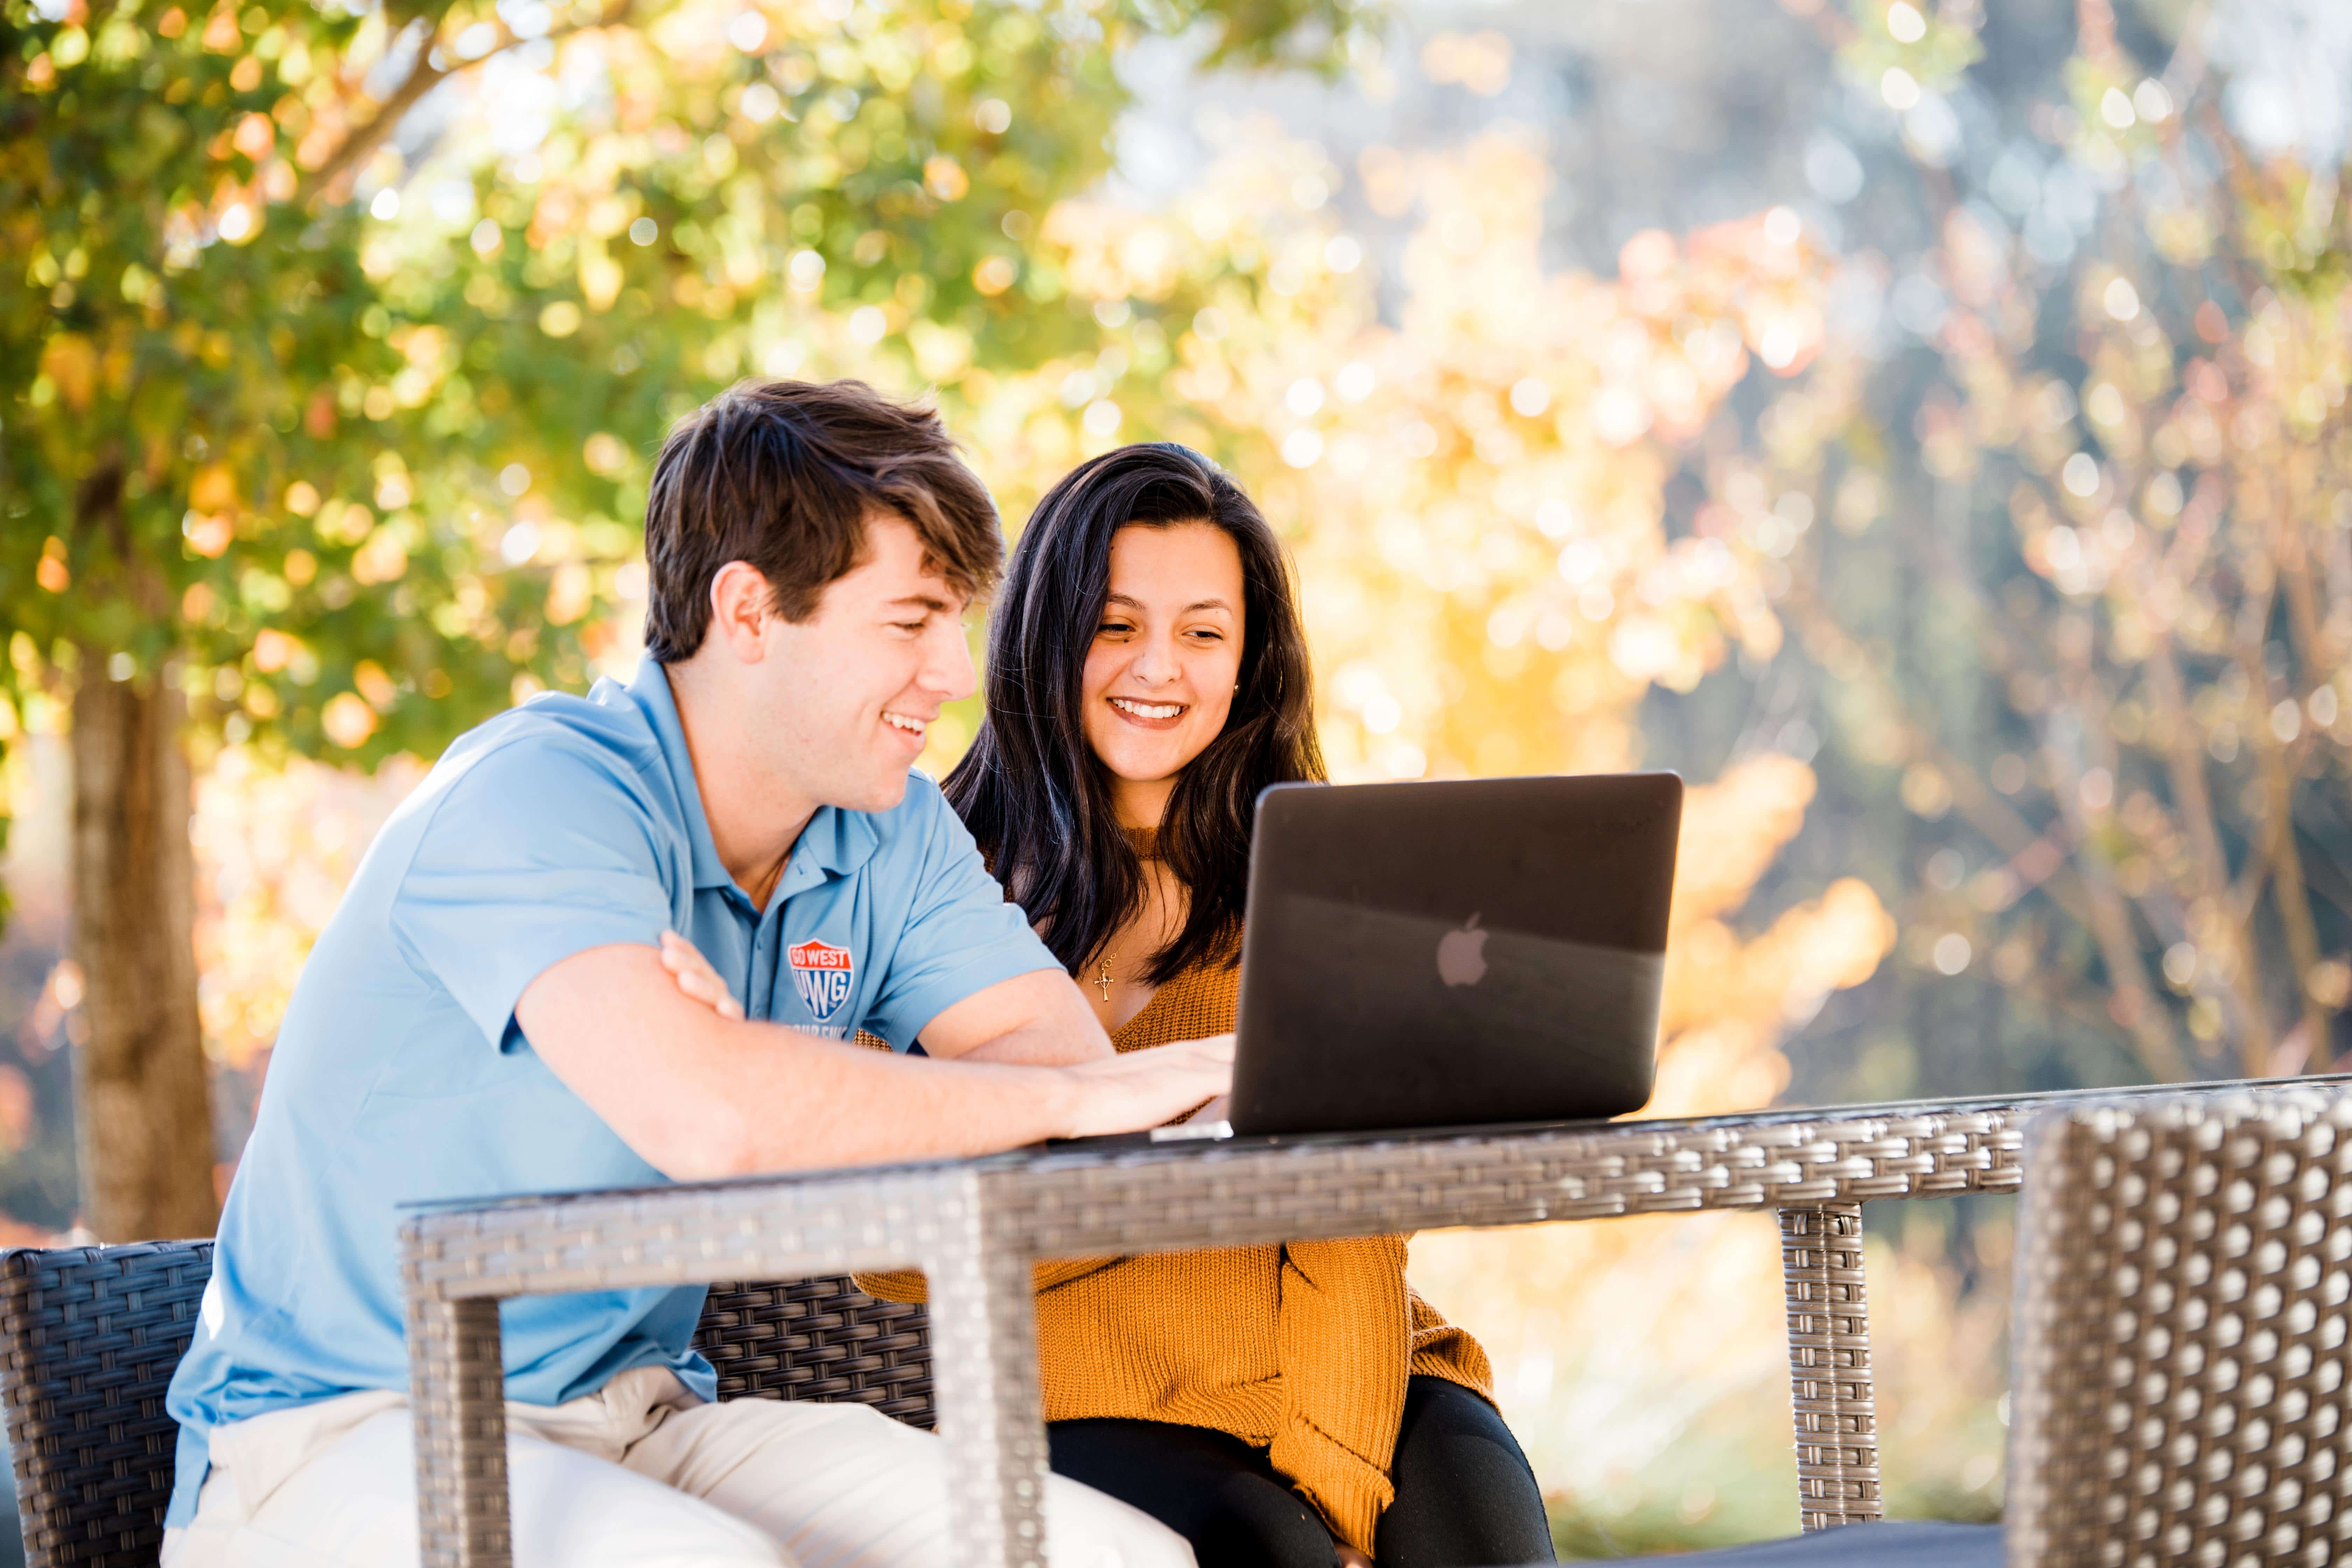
point(1461, 956)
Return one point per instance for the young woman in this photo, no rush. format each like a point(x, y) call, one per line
point(1280, 1406)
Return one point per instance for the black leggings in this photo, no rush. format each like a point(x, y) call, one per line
point(1464, 1496)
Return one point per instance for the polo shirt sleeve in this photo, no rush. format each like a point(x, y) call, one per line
point(539, 850)
point(961, 934)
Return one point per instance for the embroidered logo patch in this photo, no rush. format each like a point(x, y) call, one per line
point(824, 975)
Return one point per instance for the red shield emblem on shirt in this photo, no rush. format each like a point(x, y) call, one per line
point(824, 975)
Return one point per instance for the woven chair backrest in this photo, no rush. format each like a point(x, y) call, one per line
point(89, 1336)
point(819, 1339)
point(2180, 1355)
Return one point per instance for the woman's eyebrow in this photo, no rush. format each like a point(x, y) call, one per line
point(1196, 605)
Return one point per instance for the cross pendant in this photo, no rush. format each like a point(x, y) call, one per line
point(1103, 980)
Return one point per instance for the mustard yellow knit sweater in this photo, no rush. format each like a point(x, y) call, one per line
point(1302, 1349)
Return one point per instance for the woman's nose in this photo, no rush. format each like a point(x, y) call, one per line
point(1155, 663)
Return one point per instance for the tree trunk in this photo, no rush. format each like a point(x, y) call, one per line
point(141, 1096)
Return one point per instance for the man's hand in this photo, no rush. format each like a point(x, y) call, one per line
point(1349, 1557)
point(1218, 1109)
point(1125, 1087)
point(696, 977)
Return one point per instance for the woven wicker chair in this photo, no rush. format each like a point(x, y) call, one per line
point(89, 1335)
point(2180, 1382)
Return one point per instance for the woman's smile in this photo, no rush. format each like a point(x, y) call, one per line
point(1147, 715)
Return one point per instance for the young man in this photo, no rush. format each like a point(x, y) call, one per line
point(489, 1012)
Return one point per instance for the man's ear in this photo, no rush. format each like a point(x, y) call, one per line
point(741, 603)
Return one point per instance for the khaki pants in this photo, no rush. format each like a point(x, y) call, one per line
point(639, 1474)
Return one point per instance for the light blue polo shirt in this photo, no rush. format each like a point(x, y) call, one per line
point(400, 1075)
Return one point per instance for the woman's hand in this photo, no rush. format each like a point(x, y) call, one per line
point(1349, 1557)
point(695, 976)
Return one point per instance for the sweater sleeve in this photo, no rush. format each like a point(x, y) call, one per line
point(1346, 1347)
point(907, 1284)
point(1440, 1350)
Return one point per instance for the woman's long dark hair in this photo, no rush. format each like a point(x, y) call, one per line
point(1031, 789)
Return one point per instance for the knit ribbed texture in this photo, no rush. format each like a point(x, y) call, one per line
point(1302, 1349)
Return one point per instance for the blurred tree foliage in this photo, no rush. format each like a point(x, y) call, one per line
point(2122, 507)
point(314, 453)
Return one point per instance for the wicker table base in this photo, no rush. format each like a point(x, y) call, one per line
point(1829, 1365)
point(976, 1227)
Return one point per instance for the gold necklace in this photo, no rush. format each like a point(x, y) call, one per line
point(1145, 841)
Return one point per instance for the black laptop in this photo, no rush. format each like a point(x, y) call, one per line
point(1452, 954)
point(1441, 954)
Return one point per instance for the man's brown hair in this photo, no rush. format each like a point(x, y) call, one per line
point(781, 474)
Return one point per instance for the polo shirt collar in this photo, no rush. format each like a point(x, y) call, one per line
point(650, 686)
point(834, 844)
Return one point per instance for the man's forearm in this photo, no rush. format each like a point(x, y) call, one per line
point(698, 1095)
point(744, 1096)
point(796, 1103)
point(702, 1095)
